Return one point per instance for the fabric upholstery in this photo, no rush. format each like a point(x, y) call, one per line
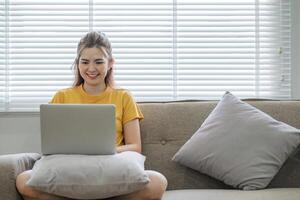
point(168, 125)
point(268, 194)
point(11, 166)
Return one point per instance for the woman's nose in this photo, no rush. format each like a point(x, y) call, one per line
point(91, 67)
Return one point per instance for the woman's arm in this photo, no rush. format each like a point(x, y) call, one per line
point(132, 137)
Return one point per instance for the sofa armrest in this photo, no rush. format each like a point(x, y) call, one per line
point(11, 165)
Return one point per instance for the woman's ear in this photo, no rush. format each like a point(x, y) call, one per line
point(111, 63)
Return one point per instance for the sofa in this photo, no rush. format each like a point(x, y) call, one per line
point(166, 127)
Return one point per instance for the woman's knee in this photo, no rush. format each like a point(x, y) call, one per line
point(21, 180)
point(157, 185)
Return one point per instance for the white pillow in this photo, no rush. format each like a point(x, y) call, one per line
point(239, 145)
point(89, 177)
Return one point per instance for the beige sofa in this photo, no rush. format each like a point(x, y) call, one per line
point(166, 127)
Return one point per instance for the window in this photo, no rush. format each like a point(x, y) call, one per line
point(164, 49)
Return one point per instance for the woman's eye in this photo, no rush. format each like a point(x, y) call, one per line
point(84, 62)
point(98, 63)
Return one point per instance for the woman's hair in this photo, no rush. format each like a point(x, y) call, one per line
point(98, 40)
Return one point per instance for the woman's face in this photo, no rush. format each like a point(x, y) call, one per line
point(93, 66)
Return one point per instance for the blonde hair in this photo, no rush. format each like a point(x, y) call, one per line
point(98, 40)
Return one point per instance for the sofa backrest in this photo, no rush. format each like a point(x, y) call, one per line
point(167, 126)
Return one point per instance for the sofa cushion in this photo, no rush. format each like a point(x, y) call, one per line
point(239, 145)
point(89, 176)
point(219, 194)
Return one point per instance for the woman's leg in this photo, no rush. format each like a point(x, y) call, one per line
point(29, 193)
point(153, 190)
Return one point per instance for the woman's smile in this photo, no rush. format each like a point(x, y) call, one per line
point(92, 75)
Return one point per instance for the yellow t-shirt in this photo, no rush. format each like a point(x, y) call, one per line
point(126, 107)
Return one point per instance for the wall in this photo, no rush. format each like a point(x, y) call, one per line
point(20, 133)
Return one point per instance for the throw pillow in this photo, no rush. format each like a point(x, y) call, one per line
point(239, 145)
point(89, 177)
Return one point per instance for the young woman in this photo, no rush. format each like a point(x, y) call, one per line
point(94, 83)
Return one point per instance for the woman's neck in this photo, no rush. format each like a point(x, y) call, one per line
point(94, 90)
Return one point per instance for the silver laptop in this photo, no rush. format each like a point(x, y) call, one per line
point(78, 129)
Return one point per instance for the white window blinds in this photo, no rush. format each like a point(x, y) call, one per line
point(164, 49)
point(238, 45)
point(2, 53)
